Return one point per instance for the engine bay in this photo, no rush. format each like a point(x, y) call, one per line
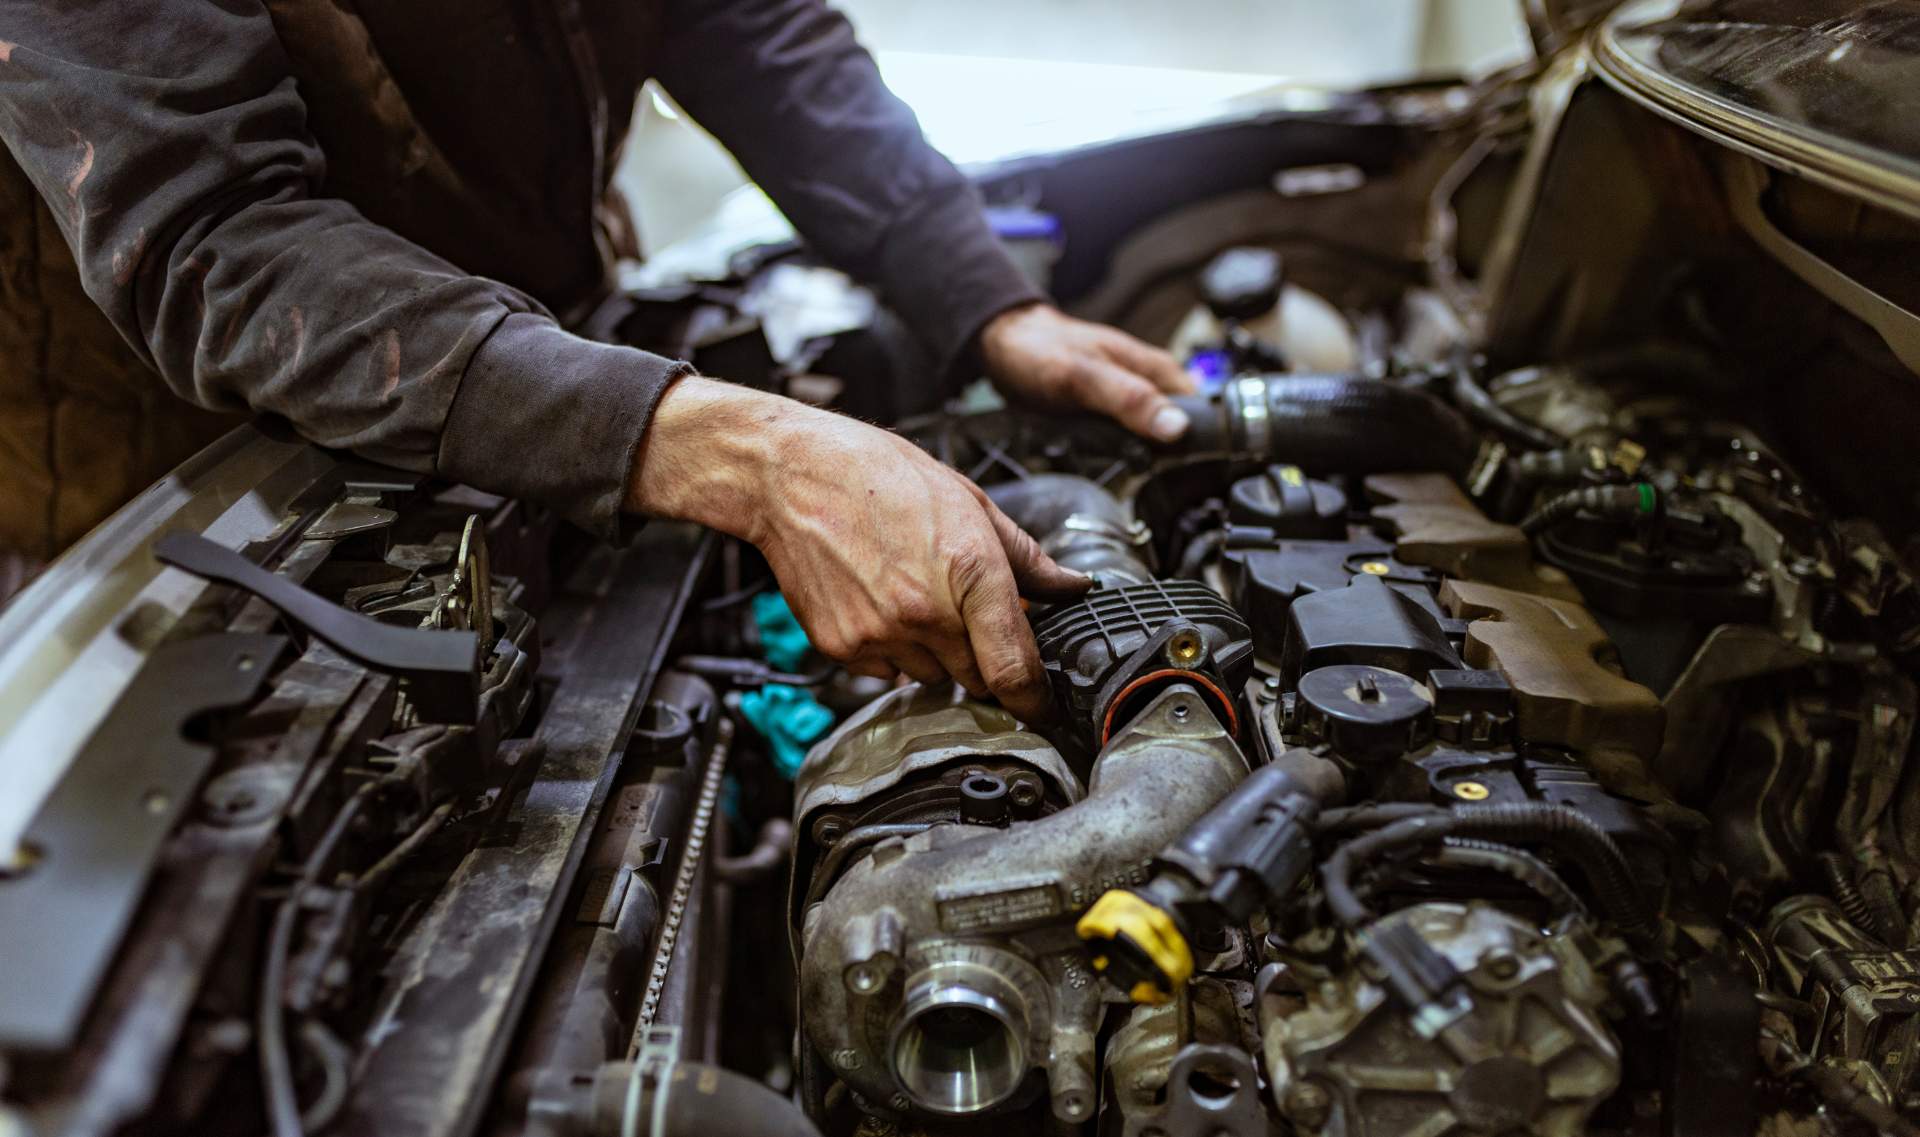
point(1494, 717)
point(1357, 819)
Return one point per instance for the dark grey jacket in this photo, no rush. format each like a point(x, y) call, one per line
point(363, 216)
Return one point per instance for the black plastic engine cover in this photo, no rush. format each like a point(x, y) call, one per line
point(1367, 622)
point(1266, 581)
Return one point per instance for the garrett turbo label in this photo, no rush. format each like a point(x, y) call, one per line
point(1000, 910)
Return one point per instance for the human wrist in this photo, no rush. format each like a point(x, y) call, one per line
point(990, 343)
point(711, 454)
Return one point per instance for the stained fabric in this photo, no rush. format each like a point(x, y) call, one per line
point(375, 220)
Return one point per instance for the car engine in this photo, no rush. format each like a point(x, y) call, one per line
point(1354, 818)
point(1494, 717)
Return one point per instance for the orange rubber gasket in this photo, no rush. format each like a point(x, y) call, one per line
point(1233, 719)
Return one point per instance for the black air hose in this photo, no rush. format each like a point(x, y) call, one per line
point(1078, 523)
point(1042, 503)
point(1330, 424)
point(711, 1101)
point(1480, 406)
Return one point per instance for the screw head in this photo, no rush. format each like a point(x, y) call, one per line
point(1375, 568)
point(1468, 790)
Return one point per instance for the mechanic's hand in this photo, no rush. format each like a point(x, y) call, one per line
point(1039, 355)
point(892, 561)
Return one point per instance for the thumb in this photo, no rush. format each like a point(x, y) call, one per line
point(1037, 574)
point(1133, 401)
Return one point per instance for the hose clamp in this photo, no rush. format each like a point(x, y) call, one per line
point(648, 1082)
point(1250, 401)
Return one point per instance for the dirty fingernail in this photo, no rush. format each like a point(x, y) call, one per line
point(1169, 423)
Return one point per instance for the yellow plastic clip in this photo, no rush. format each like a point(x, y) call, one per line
point(1125, 915)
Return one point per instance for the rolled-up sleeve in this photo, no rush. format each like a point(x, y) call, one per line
point(785, 85)
point(172, 145)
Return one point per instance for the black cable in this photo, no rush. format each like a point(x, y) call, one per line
point(1569, 832)
point(1354, 818)
point(336, 1066)
point(737, 596)
point(1198, 552)
point(1838, 1091)
point(1840, 884)
point(276, 1066)
point(1517, 864)
point(406, 848)
point(1478, 405)
point(1614, 501)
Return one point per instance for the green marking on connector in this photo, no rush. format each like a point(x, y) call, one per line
point(1647, 497)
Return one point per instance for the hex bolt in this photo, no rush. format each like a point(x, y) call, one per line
point(864, 978)
point(1024, 791)
point(1502, 965)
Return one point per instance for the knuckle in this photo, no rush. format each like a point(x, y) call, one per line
point(834, 645)
point(1011, 673)
point(967, 563)
point(1136, 398)
point(916, 611)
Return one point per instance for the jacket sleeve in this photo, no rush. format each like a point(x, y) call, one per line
point(172, 145)
point(786, 86)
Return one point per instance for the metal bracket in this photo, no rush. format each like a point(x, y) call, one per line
point(1227, 1106)
point(441, 668)
point(84, 861)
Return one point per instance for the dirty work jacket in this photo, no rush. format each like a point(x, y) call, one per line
point(362, 216)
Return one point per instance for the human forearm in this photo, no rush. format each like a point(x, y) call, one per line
point(786, 86)
point(188, 188)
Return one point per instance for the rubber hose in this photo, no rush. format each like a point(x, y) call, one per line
point(1099, 543)
point(1198, 552)
point(712, 1101)
point(1839, 1091)
point(1480, 406)
point(1331, 424)
point(1041, 504)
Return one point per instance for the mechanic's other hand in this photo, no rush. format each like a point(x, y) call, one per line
point(892, 561)
point(1039, 355)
